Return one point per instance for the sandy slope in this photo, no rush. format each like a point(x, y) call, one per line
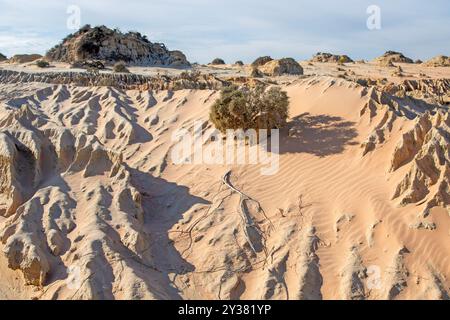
point(96, 192)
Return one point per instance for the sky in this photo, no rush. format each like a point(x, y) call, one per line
point(240, 29)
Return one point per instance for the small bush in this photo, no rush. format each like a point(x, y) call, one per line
point(218, 61)
point(120, 67)
point(42, 64)
point(239, 63)
point(342, 60)
point(244, 108)
point(88, 64)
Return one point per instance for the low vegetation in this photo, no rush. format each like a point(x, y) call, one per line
point(121, 67)
point(42, 64)
point(88, 64)
point(244, 108)
point(342, 60)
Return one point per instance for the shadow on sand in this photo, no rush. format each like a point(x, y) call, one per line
point(164, 204)
point(320, 135)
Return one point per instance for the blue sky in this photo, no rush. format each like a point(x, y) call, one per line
point(240, 30)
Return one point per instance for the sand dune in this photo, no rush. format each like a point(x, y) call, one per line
point(94, 208)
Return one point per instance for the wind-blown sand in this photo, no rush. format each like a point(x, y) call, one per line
point(88, 189)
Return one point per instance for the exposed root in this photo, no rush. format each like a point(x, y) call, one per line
point(247, 220)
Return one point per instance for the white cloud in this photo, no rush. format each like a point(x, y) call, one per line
point(21, 43)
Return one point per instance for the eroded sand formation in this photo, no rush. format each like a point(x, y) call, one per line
point(187, 80)
point(92, 206)
point(328, 57)
point(102, 43)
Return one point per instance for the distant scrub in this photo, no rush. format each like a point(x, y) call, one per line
point(42, 64)
point(88, 64)
point(244, 108)
point(120, 67)
point(342, 60)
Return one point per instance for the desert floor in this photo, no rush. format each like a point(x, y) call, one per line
point(94, 207)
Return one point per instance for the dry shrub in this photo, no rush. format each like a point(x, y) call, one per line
point(245, 108)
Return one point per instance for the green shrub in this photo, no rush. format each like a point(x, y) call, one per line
point(244, 108)
point(120, 67)
point(42, 64)
point(239, 63)
point(341, 60)
point(344, 59)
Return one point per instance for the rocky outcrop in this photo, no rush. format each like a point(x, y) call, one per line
point(424, 149)
point(391, 57)
point(217, 62)
point(431, 91)
point(3, 57)
point(328, 57)
point(378, 103)
point(24, 58)
point(261, 61)
point(102, 43)
point(282, 67)
point(439, 61)
point(427, 148)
